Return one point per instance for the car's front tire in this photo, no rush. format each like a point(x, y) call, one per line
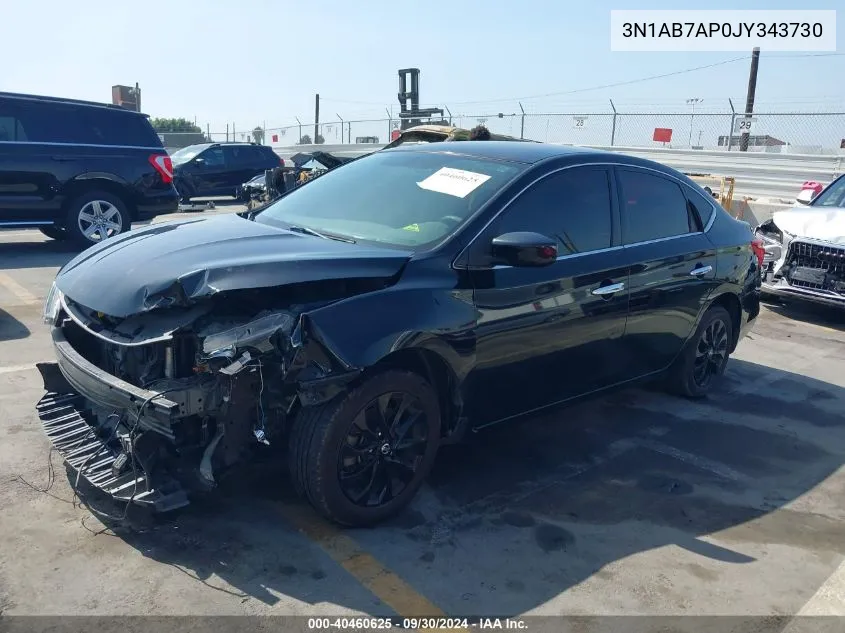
point(705, 357)
point(96, 216)
point(362, 457)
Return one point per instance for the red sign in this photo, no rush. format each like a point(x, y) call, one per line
point(394, 135)
point(663, 134)
point(275, 138)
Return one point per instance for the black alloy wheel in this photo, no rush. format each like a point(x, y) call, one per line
point(361, 457)
point(711, 353)
point(383, 450)
point(705, 356)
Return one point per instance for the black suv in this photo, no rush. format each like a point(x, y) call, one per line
point(219, 169)
point(79, 170)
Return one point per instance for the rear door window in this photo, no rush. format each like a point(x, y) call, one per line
point(238, 155)
point(653, 207)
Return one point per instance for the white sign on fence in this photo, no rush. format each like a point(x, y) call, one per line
point(744, 125)
point(579, 122)
point(161, 138)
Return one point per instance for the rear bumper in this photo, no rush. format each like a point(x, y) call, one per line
point(782, 289)
point(158, 204)
point(152, 411)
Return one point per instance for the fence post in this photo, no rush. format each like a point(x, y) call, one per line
point(613, 126)
point(522, 122)
point(450, 114)
point(341, 128)
point(733, 121)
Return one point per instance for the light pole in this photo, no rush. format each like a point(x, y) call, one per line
point(692, 102)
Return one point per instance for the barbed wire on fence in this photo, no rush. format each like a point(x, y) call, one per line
point(784, 132)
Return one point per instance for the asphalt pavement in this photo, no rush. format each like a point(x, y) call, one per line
point(635, 503)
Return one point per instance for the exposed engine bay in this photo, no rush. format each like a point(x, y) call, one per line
point(213, 381)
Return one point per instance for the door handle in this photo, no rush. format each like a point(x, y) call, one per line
point(608, 290)
point(63, 159)
point(702, 270)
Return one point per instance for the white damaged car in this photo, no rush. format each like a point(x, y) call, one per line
point(805, 249)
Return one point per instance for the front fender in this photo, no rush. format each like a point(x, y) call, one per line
point(362, 330)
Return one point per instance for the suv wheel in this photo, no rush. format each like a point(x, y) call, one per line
point(362, 457)
point(96, 216)
point(705, 357)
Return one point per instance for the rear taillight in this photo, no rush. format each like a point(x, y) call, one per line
point(163, 164)
point(759, 250)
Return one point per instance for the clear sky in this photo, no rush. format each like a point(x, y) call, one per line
point(254, 61)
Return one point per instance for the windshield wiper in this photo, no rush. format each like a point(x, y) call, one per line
point(326, 236)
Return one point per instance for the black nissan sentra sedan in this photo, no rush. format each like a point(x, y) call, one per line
point(378, 312)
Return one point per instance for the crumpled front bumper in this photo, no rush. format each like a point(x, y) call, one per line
point(781, 288)
point(92, 450)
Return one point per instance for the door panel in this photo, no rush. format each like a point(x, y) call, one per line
point(669, 284)
point(242, 164)
point(210, 177)
point(32, 174)
point(542, 334)
point(672, 268)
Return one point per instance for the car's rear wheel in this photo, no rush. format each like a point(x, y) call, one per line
point(705, 357)
point(96, 216)
point(54, 232)
point(362, 457)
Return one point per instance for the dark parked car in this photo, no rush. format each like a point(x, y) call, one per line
point(219, 169)
point(79, 170)
point(377, 313)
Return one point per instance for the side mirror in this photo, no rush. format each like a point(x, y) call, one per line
point(525, 249)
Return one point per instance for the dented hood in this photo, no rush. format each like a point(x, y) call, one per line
point(814, 223)
point(175, 263)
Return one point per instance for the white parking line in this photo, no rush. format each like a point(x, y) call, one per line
point(828, 602)
point(830, 598)
point(19, 291)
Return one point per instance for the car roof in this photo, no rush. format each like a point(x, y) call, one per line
point(66, 101)
point(532, 153)
point(502, 150)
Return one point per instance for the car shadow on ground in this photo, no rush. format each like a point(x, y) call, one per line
point(36, 254)
point(806, 312)
point(10, 328)
point(525, 511)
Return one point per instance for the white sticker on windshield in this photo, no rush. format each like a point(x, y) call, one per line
point(454, 182)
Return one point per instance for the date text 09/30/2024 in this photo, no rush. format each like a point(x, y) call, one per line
point(442, 624)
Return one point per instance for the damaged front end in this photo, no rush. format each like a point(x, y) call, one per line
point(802, 264)
point(153, 407)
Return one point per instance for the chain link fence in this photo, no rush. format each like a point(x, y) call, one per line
point(793, 132)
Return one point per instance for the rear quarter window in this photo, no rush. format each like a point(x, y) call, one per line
point(700, 205)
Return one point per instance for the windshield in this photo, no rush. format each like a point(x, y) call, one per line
point(186, 153)
point(405, 199)
point(833, 196)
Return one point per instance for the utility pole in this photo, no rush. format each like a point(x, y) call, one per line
point(316, 117)
point(749, 99)
point(137, 97)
